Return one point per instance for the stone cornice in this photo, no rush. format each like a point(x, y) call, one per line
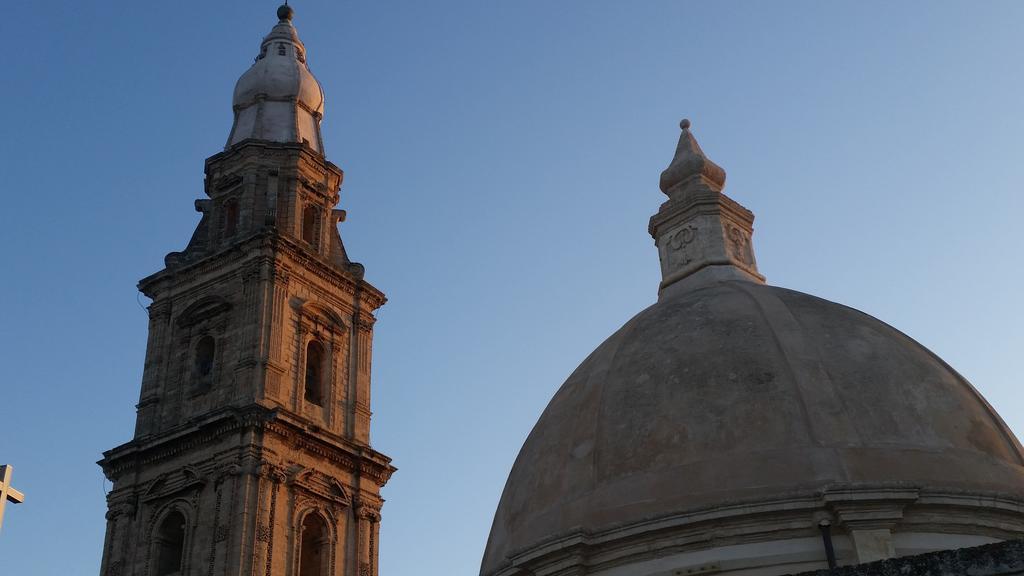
point(252, 148)
point(742, 521)
point(700, 203)
point(151, 449)
point(271, 245)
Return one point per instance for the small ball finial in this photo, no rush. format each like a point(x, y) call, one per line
point(285, 12)
point(684, 123)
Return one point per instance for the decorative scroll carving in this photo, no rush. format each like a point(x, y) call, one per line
point(740, 244)
point(368, 512)
point(226, 472)
point(678, 242)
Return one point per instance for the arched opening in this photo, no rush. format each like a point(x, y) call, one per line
point(314, 372)
point(170, 544)
point(202, 369)
point(309, 225)
point(230, 218)
point(313, 550)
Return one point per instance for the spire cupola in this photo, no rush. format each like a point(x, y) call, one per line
point(702, 235)
point(277, 99)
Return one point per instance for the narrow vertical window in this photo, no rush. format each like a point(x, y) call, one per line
point(202, 368)
point(169, 540)
point(313, 550)
point(309, 222)
point(230, 218)
point(314, 372)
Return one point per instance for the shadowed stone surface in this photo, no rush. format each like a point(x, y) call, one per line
point(1002, 559)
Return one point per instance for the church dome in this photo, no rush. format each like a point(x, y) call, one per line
point(278, 98)
point(719, 427)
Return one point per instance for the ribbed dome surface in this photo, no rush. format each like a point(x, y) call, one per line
point(277, 98)
point(277, 76)
point(740, 391)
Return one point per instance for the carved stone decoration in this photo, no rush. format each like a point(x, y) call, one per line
point(700, 230)
point(368, 512)
point(312, 486)
point(740, 244)
point(262, 532)
point(226, 473)
point(678, 246)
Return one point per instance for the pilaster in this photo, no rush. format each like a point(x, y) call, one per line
point(870, 517)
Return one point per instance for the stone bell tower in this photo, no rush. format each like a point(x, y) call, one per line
point(251, 452)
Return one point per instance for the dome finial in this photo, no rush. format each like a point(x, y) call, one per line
point(285, 12)
point(690, 168)
point(700, 232)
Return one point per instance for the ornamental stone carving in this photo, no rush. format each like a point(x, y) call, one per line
point(700, 229)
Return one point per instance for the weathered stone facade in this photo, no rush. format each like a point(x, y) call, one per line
point(252, 449)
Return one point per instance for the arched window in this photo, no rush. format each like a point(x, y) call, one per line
point(230, 218)
point(202, 369)
point(309, 225)
point(169, 539)
point(314, 372)
point(313, 549)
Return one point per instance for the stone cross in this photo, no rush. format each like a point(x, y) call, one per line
point(6, 492)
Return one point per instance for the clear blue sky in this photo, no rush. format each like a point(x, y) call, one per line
point(501, 159)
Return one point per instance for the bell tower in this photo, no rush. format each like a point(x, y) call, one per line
point(251, 452)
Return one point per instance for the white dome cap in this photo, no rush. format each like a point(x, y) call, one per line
point(278, 99)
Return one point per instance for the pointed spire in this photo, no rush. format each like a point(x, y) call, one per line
point(702, 235)
point(691, 169)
